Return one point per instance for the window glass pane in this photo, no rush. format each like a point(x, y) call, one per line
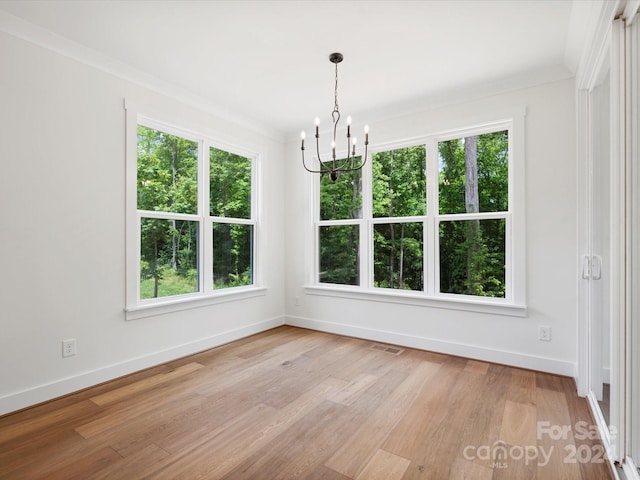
point(474, 174)
point(472, 257)
point(399, 182)
point(167, 172)
point(397, 255)
point(341, 199)
point(232, 255)
point(168, 257)
point(230, 184)
point(339, 247)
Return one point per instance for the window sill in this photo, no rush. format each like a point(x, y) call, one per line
point(449, 301)
point(187, 302)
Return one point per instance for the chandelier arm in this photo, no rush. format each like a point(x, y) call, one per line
point(324, 170)
point(354, 168)
point(335, 115)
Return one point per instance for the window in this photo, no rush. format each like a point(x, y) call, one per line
point(473, 200)
point(191, 232)
point(339, 228)
point(438, 219)
point(399, 205)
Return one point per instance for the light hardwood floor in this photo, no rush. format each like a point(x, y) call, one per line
point(293, 403)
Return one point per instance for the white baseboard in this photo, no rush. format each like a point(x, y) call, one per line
point(41, 393)
point(515, 359)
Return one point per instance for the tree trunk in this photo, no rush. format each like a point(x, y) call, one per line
point(472, 206)
point(401, 265)
point(471, 174)
point(392, 259)
point(174, 174)
point(156, 275)
point(393, 230)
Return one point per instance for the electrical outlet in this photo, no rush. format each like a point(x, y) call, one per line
point(69, 347)
point(544, 333)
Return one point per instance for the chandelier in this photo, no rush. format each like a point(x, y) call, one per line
point(334, 166)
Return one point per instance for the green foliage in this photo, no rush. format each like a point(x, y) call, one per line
point(472, 257)
point(167, 173)
point(398, 253)
point(230, 184)
point(168, 249)
point(171, 283)
point(472, 252)
point(339, 246)
point(232, 255)
point(399, 190)
point(399, 182)
point(493, 174)
point(341, 199)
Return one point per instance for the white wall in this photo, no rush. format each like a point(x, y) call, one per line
point(550, 245)
point(62, 239)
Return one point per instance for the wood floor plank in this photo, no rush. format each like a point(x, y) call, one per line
point(231, 444)
point(518, 424)
point(352, 458)
point(522, 387)
point(145, 384)
point(558, 439)
point(476, 367)
point(122, 416)
point(133, 467)
point(43, 445)
point(463, 469)
point(448, 416)
point(350, 392)
point(384, 466)
point(587, 437)
point(292, 403)
point(59, 417)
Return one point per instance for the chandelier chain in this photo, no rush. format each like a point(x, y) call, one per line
point(335, 108)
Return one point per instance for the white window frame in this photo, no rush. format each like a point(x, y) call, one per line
point(514, 301)
point(207, 295)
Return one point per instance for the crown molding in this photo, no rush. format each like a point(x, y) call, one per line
point(61, 45)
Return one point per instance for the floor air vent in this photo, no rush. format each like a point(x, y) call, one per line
point(387, 348)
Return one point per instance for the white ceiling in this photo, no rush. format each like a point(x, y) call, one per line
point(267, 61)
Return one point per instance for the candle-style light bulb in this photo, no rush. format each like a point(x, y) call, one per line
point(366, 134)
point(348, 126)
point(317, 125)
point(302, 137)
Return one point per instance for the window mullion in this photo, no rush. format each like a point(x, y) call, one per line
point(366, 229)
point(205, 257)
point(431, 260)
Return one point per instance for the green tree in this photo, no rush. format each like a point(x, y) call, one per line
point(399, 190)
point(473, 178)
point(340, 244)
point(230, 197)
point(167, 182)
